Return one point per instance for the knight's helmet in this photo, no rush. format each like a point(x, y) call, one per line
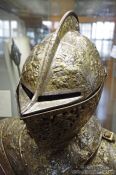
point(61, 83)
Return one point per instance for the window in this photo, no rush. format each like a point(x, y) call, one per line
point(7, 29)
point(48, 24)
point(108, 30)
point(99, 30)
point(14, 28)
point(4, 28)
point(36, 35)
point(1, 28)
point(31, 34)
point(101, 33)
point(86, 29)
point(1, 46)
point(56, 24)
point(106, 48)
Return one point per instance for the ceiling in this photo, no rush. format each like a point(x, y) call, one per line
point(47, 8)
point(96, 7)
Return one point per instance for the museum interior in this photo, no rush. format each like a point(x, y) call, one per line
point(28, 22)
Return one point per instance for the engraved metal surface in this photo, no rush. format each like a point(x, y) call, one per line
point(49, 125)
point(88, 152)
point(76, 65)
point(64, 61)
point(4, 161)
point(105, 160)
point(67, 139)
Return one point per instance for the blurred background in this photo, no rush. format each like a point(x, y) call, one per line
point(29, 21)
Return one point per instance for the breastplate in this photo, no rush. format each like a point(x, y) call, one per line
point(89, 151)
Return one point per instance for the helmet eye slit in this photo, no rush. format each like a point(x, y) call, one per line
point(50, 97)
